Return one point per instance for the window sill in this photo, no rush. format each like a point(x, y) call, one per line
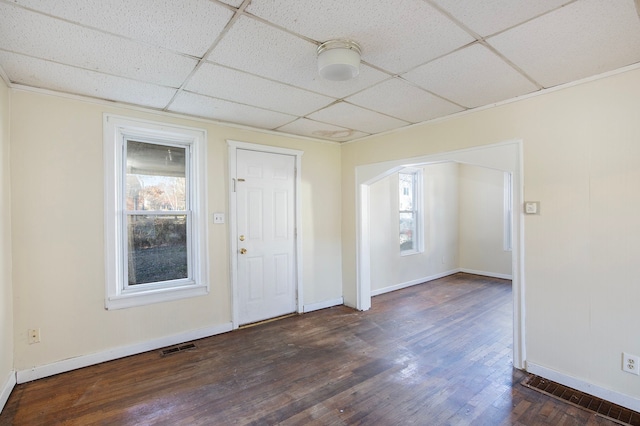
point(129, 300)
point(409, 252)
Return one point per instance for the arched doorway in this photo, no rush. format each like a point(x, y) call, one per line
point(506, 156)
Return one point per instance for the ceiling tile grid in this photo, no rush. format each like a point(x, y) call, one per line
point(40, 36)
point(471, 77)
point(224, 83)
point(254, 62)
point(401, 100)
point(263, 50)
point(350, 116)
point(394, 35)
point(488, 17)
point(315, 129)
point(225, 111)
point(50, 75)
point(582, 39)
point(188, 27)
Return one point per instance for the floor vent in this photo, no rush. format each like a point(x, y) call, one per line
point(609, 410)
point(176, 349)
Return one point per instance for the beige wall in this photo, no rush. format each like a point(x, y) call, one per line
point(481, 220)
point(581, 151)
point(440, 190)
point(6, 296)
point(463, 226)
point(58, 250)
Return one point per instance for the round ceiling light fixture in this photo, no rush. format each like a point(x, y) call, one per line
point(339, 60)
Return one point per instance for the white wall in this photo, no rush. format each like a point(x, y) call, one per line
point(6, 293)
point(390, 270)
point(481, 221)
point(580, 159)
point(58, 250)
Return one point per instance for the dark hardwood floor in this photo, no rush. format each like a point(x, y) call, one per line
point(433, 354)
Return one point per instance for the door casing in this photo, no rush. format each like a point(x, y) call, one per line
point(234, 146)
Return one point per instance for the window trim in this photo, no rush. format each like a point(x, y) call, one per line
point(418, 209)
point(118, 294)
point(188, 213)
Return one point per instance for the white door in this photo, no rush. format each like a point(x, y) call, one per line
point(265, 200)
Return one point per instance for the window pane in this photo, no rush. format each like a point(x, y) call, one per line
point(407, 231)
point(157, 248)
point(406, 191)
point(156, 177)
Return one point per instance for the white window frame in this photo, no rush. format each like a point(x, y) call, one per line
point(118, 293)
point(418, 209)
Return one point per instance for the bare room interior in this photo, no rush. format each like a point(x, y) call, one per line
point(319, 212)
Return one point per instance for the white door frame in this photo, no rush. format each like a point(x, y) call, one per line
point(505, 156)
point(234, 146)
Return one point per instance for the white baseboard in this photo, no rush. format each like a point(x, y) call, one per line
point(606, 394)
point(413, 282)
point(487, 274)
point(323, 305)
point(121, 352)
point(8, 386)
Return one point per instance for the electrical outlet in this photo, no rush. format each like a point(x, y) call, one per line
point(631, 363)
point(218, 218)
point(34, 335)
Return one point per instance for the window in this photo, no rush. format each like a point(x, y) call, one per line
point(409, 209)
point(155, 216)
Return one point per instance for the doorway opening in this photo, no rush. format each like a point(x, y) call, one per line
point(507, 157)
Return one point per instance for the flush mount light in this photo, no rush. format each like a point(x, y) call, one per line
point(339, 60)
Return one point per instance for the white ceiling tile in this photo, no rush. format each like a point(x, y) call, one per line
point(585, 38)
point(487, 17)
point(234, 3)
point(237, 86)
point(217, 109)
point(471, 77)
point(266, 51)
point(316, 129)
point(395, 35)
point(37, 35)
point(38, 73)
point(402, 100)
point(353, 117)
point(187, 26)
point(264, 74)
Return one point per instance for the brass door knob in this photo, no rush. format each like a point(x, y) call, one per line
point(243, 250)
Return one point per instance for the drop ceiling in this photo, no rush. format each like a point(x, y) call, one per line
point(253, 63)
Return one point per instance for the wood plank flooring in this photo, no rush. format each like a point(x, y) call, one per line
point(433, 354)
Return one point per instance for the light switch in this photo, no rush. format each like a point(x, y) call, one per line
point(532, 207)
point(218, 218)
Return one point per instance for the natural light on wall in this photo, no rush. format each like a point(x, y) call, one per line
point(508, 211)
point(409, 206)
